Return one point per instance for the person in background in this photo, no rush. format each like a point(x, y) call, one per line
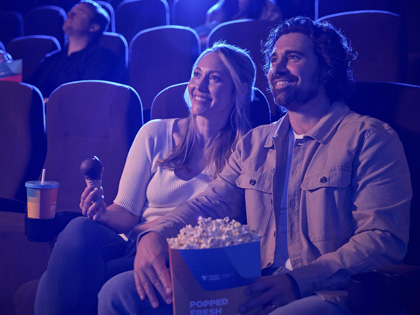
point(82, 58)
point(229, 10)
point(169, 162)
point(327, 189)
point(4, 56)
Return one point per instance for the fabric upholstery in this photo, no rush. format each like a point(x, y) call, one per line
point(84, 119)
point(32, 49)
point(169, 103)
point(378, 38)
point(158, 59)
point(256, 32)
point(22, 138)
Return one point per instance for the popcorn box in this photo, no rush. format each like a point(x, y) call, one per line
point(212, 281)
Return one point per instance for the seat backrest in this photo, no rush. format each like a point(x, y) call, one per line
point(160, 57)
point(11, 25)
point(379, 39)
point(398, 105)
point(22, 137)
point(256, 32)
point(190, 13)
point(32, 49)
point(111, 12)
point(84, 119)
point(133, 16)
point(169, 103)
point(327, 7)
point(117, 44)
point(46, 20)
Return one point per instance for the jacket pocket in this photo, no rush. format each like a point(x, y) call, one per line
point(326, 202)
point(338, 178)
point(258, 198)
point(262, 182)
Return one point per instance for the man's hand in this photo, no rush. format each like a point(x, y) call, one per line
point(271, 292)
point(150, 271)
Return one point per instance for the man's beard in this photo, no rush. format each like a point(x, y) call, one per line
point(289, 98)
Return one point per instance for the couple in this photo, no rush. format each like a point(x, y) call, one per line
point(327, 188)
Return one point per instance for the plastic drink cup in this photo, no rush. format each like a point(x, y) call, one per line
point(42, 199)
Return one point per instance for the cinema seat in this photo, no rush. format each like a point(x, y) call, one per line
point(169, 103)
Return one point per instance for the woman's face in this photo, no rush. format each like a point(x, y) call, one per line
point(211, 88)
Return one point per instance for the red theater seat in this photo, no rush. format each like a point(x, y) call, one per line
point(248, 34)
point(32, 49)
point(46, 20)
point(84, 119)
point(378, 38)
point(169, 103)
point(160, 57)
point(133, 16)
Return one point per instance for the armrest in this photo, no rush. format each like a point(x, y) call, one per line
point(46, 230)
point(12, 205)
point(387, 290)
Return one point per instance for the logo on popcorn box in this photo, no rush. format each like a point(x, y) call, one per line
point(213, 280)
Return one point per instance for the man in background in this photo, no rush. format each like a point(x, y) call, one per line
point(82, 58)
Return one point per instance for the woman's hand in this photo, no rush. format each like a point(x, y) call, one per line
point(270, 293)
point(150, 270)
point(92, 203)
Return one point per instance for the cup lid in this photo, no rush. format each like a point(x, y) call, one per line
point(37, 184)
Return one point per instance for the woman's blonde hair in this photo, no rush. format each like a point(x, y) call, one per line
point(242, 71)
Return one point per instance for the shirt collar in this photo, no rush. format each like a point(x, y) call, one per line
point(280, 127)
point(320, 132)
point(327, 124)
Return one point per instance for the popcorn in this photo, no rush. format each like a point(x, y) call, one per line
point(213, 234)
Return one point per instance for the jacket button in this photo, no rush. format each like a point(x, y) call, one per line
point(252, 182)
point(323, 179)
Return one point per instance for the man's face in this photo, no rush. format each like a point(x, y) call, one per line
point(79, 20)
point(294, 75)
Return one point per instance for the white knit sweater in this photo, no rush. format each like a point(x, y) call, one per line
point(145, 188)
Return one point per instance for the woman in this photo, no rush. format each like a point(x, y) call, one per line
point(169, 162)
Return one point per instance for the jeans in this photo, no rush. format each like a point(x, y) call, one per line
point(119, 297)
point(84, 257)
point(313, 305)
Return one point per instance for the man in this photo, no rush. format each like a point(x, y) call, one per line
point(82, 58)
point(328, 189)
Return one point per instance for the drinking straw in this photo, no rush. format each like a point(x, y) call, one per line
point(43, 176)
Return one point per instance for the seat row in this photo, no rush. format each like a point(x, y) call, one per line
point(82, 119)
point(100, 118)
point(129, 18)
point(161, 56)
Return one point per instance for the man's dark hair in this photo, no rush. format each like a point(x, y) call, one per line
point(331, 47)
point(100, 16)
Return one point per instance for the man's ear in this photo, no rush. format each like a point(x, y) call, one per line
point(94, 27)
